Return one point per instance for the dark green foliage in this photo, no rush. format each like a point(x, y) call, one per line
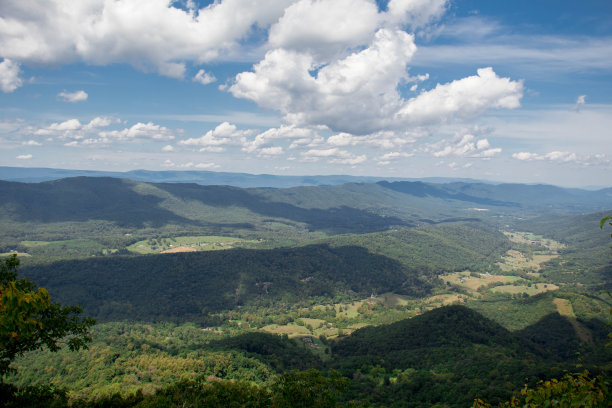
point(514, 313)
point(450, 356)
point(443, 328)
point(82, 199)
point(437, 249)
point(279, 353)
point(555, 335)
point(186, 286)
point(32, 397)
point(30, 321)
point(294, 389)
point(306, 389)
point(339, 219)
point(573, 390)
point(131, 204)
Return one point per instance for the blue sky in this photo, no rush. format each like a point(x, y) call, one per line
point(508, 91)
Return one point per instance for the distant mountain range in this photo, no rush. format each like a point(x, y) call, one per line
point(245, 180)
point(351, 207)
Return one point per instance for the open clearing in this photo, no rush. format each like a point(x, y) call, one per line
point(187, 244)
point(181, 248)
point(530, 290)
point(473, 283)
point(291, 330)
point(532, 239)
point(515, 260)
point(564, 307)
point(444, 300)
point(14, 253)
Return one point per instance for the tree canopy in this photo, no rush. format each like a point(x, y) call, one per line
point(29, 320)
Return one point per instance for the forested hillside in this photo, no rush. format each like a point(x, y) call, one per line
point(186, 286)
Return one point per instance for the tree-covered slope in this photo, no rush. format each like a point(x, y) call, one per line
point(406, 343)
point(434, 250)
point(185, 286)
point(453, 355)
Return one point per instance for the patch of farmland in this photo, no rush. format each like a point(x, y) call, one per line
point(534, 289)
point(564, 307)
point(187, 244)
point(466, 280)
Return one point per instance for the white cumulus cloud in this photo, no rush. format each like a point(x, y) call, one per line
point(73, 97)
point(325, 26)
point(463, 145)
point(225, 134)
point(24, 157)
point(9, 76)
point(415, 13)
point(301, 136)
point(148, 34)
point(464, 98)
point(356, 94)
point(204, 77)
point(140, 130)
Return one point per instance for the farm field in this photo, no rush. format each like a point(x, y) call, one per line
point(516, 260)
point(187, 244)
point(564, 307)
point(529, 238)
point(473, 283)
point(531, 290)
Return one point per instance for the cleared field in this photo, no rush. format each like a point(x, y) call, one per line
point(532, 239)
point(564, 307)
point(290, 330)
point(393, 300)
point(350, 310)
point(31, 244)
point(326, 329)
point(444, 300)
point(530, 290)
point(181, 248)
point(314, 323)
point(515, 260)
point(186, 244)
point(473, 283)
point(20, 254)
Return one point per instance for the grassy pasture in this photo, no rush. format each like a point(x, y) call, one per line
point(326, 329)
point(516, 260)
point(564, 307)
point(444, 300)
point(291, 330)
point(19, 254)
point(314, 323)
point(472, 283)
point(528, 238)
point(187, 244)
point(534, 289)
